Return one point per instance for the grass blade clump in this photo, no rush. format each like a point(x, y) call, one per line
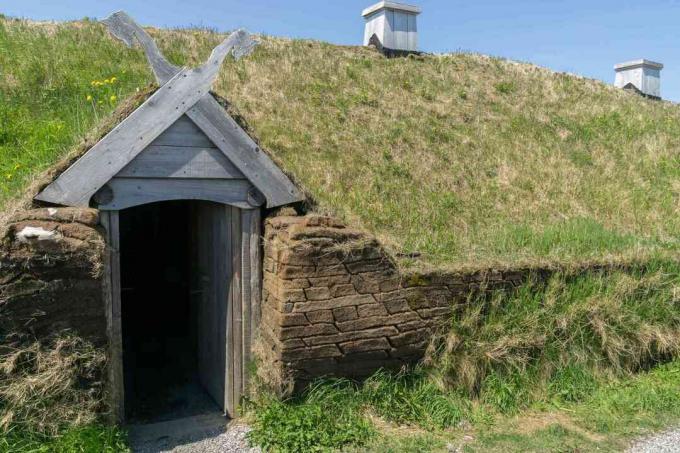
point(46, 388)
point(556, 340)
point(411, 397)
point(327, 416)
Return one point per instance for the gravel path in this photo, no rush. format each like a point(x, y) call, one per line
point(191, 435)
point(668, 442)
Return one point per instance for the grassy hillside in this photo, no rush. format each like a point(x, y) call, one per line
point(459, 158)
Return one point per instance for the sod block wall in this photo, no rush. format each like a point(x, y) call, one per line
point(50, 274)
point(334, 303)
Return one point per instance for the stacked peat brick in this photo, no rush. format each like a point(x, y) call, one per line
point(334, 304)
point(50, 274)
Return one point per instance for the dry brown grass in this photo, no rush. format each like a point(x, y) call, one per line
point(45, 387)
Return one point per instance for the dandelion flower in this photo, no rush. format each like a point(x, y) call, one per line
point(113, 98)
point(113, 79)
point(89, 97)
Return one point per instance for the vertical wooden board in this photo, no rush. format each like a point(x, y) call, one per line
point(228, 370)
point(213, 243)
point(237, 308)
point(246, 225)
point(400, 30)
point(112, 300)
point(223, 272)
point(255, 270)
point(251, 282)
point(389, 29)
point(412, 32)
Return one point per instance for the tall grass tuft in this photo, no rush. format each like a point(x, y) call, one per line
point(557, 339)
point(47, 388)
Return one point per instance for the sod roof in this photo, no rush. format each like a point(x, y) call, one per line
point(458, 160)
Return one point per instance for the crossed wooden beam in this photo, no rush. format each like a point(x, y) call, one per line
point(182, 91)
point(122, 26)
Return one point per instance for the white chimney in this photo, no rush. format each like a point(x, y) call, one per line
point(394, 24)
point(642, 75)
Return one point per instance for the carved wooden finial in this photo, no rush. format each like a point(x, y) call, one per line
point(122, 26)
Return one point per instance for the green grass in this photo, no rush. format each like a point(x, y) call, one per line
point(607, 419)
point(481, 161)
point(557, 339)
point(48, 74)
point(556, 366)
point(88, 439)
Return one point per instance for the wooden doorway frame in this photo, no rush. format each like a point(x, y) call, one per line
point(244, 307)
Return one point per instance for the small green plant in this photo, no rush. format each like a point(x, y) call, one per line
point(326, 417)
point(505, 87)
point(86, 439)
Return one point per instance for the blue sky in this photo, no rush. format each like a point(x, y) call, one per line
point(579, 36)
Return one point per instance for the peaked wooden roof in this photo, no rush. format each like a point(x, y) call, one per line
point(183, 91)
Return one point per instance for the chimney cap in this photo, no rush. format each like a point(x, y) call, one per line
point(391, 5)
point(642, 63)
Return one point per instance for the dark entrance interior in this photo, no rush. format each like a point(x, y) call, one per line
point(159, 313)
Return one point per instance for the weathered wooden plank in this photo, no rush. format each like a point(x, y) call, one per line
point(246, 291)
point(237, 307)
point(181, 162)
point(83, 179)
point(123, 27)
point(112, 301)
point(183, 132)
point(126, 29)
point(128, 192)
point(244, 153)
point(255, 270)
point(226, 332)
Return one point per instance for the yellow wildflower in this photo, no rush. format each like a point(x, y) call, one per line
point(113, 98)
point(89, 97)
point(9, 176)
point(113, 79)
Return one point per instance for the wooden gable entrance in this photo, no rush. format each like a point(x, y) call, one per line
point(179, 174)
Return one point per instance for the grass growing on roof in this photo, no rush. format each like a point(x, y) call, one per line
point(466, 158)
point(462, 158)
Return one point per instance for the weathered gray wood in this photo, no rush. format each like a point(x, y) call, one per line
point(247, 267)
point(225, 272)
point(237, 307)
point(181, 162)
point(244, 153)
point(83, 179)
point(112, 301)
point(123, 27)
point(183, 132)
point(255, 271)
point(214, 258)
point(128, 192)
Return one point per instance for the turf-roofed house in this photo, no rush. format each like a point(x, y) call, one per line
point(303, 222)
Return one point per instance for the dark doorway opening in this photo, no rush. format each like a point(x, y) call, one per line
point(159, 313)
